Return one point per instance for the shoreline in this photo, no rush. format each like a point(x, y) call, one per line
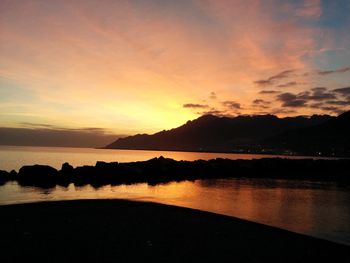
point(268, 155)
point(162, 170)
point(122, 230)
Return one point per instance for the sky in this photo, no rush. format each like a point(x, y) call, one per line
point(142, 66)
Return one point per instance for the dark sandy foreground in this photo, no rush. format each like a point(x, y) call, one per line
point(126, 231)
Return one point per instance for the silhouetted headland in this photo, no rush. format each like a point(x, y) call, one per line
point(159, 170)
point(317, 135)
point(125, 231)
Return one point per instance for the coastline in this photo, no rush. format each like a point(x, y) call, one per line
point(128, 231)
point(267, 154)
point(162, 170)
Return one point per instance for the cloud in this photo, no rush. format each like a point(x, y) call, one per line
point(328, 72)
point(195, 106)
point(260, 103)
point(317, 98)
point(36, 125)
point(324, 107)
point(291, 100)
point(343, 92)
point(213, 95)
point(271, 80)
point(319, 89)
point(84, 137)
point(213, 112)
point(318, 93)
point(282, 75)
point(288, 84)
point(310, 9)
point(267, 92)
point(40, 126)
point(300, 100)
point(338, 102)
point(282, 111)
point(233, 105)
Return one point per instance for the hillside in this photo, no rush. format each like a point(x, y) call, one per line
point(213, 133)
point(329, 138)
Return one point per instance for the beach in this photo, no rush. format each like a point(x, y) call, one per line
point(129, 231)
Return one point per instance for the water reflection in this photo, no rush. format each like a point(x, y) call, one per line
point(314, 208)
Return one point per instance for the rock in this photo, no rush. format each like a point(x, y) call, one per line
point(40, 175)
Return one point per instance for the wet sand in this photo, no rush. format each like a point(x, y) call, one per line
point(128, 231)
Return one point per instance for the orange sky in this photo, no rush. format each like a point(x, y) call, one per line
point(145, 66)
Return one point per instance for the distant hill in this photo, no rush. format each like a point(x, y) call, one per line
point(329, 138)
point(221, 134)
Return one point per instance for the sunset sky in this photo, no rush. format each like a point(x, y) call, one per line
point(148, 65)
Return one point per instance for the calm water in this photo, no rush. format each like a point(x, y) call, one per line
point(313, 208)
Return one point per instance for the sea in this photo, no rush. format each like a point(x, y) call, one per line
point(314, 208)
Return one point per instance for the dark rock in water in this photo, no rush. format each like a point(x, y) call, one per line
point(84, 174)
point(67, 169)
point(86, 170)
point(104, 168)
point(160, 170)
point(4, 177)
point(65, 174)
point(37, 171)
point(13, 174)
point(41, 175)
point(7, 176)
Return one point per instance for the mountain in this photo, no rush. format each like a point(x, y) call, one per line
point(225, 134)
point(331, 138)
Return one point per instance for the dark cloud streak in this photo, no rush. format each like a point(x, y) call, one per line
point(271, 80)
point(213, 95)
point(233, 105)
point(261, 101)
point(195, 106)
point(288, 84)
point(345, 92)
point(63, 137)
point(328, 72)
point(291, 100)
point(268, 92)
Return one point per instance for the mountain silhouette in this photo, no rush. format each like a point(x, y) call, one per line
point(329, 138)
point(223, 134)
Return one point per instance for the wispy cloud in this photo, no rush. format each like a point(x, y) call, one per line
point(195, 106)
point(309, 9)
point(269, 92)
point(345, 92)
point(319, 98)
point(273, 79)
point(48, 136)
point(288, 84)
point(213, 111)
point(260, 101)
point(291, 100)
point(213, 95)
point(328, 72)
point(233, 105)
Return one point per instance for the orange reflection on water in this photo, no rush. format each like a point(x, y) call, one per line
point(317, 209)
